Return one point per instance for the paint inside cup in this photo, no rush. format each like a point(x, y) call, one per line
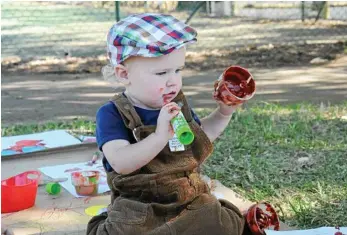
point(237, 84)
point(234, 86)
point(262, 216)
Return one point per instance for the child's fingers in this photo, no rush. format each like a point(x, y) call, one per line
point(171, 130)
point(173, 113)
point(171, 104)
point(174, 109)
point(171, 107)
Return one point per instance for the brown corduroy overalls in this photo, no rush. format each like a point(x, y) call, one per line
point(167, 196)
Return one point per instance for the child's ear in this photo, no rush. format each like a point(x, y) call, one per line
point(121, 73)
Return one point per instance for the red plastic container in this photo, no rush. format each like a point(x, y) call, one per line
point(262, 216)
point(235, 86)
point(19, 192)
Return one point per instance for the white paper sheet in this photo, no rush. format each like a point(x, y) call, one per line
point(62, 171)
point(316, 231)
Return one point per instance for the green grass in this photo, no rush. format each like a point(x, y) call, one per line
point(75, 127)
point(292, 156)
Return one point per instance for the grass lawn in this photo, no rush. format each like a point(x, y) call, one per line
point(292, 156)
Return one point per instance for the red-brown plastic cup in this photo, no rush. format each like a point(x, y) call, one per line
point(262, 216)
point(234, 86)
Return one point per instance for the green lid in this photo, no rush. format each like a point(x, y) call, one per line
point(182, 129)
point(186, 137)
point(53, 188)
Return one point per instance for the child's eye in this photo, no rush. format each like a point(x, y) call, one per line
point(179, 70)
point(161, 73)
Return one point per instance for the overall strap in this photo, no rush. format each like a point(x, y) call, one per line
point(180, 98)
point(129, 115)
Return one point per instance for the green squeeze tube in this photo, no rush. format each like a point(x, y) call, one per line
point(182, 129)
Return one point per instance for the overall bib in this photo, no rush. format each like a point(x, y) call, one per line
point(167, 196)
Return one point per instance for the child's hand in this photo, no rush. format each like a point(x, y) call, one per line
point(227, 110)
point(167, 112)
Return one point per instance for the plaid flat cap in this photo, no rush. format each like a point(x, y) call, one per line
point(147, 35)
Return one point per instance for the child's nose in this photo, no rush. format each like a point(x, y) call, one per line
point(173, 79)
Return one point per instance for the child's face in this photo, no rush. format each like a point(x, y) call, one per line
point(153, 82)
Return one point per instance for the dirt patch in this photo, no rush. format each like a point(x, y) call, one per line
point(266, 56)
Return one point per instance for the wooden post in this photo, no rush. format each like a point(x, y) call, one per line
point(302, 11)
point(117, 11)
point(227, 8)
point(326, 11)
point(234, 8)
point(213, 8)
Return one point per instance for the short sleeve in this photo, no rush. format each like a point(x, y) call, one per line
point(109, 125)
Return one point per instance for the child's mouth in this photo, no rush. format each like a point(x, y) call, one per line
point(169, 96)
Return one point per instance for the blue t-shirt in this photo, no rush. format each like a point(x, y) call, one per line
point(110, 125)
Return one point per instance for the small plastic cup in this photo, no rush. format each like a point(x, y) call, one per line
point(234, 86)
point(86, 182)
point(262, 216)
point(53, 188)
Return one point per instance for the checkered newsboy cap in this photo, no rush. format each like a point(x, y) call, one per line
point(147, 35)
